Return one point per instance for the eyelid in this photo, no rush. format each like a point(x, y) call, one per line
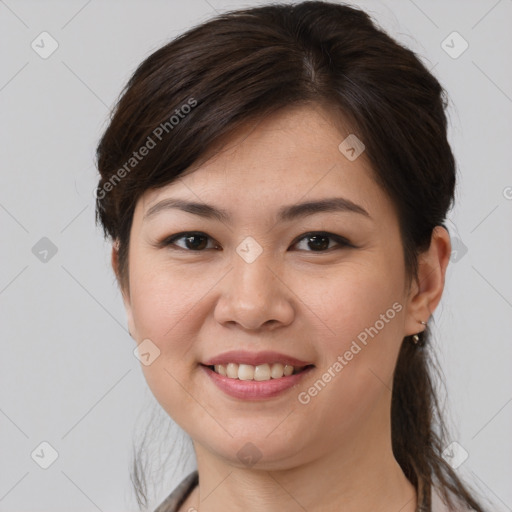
point(340, 240)
point(168, 241)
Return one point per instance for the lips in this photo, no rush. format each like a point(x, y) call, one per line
point(252, 389)
point(255, 375)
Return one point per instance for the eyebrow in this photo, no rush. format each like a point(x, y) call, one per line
point(285, 213)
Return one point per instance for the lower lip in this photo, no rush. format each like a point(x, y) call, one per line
point(252, 389)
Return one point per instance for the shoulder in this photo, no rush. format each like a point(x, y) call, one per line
point(179, 495)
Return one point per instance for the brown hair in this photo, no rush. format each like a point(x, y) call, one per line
point(245, 64)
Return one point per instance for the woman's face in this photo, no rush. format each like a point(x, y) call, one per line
point(257, 282)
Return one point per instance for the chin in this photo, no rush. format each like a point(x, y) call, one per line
point(255, 449)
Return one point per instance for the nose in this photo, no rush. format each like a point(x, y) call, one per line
point(254, 296)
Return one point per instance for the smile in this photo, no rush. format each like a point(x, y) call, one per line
point(260, 372)
point(252, 389)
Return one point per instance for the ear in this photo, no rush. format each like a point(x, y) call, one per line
point(124, 291)
point(426, 292)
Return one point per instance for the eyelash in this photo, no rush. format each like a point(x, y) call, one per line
point(169, 241)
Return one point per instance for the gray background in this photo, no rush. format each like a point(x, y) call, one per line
point(68, 375)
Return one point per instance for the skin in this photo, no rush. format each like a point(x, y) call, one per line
point(333, 453)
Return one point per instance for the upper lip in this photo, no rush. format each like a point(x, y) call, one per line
point(254, 358)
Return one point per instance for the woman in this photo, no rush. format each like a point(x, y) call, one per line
point(275, 182)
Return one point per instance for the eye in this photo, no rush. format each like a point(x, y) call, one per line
point(193, 241)
point(320, 241)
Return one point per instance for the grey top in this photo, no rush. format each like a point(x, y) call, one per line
point(174, 501)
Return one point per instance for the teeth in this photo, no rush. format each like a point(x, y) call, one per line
point(245, 372)
point(288, 370)
point(232, 370)
point(259, 373)
point(277, 370)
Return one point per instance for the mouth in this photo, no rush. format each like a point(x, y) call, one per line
point(261, 372)
point(260, 375)
point(256, 382)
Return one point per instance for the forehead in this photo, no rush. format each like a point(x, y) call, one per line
point(291, 156)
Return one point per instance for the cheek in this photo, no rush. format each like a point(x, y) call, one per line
point(362, 322)
point(354, 298)
point(162, 304)
point(169, 307)
point(362, 318)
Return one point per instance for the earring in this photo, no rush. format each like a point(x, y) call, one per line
point(416, 338)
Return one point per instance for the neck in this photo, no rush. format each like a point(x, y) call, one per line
point(360, 475)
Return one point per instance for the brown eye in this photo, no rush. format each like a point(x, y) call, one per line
point(319, 241)
point(198, 242)
point(192, 241)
